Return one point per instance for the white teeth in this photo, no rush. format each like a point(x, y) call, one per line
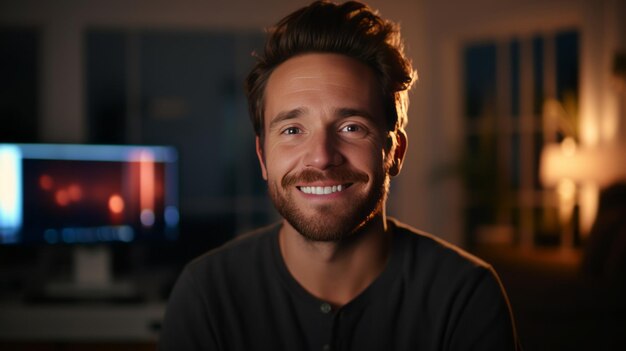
point(321, 190)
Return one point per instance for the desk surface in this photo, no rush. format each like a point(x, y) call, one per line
point(81, 322)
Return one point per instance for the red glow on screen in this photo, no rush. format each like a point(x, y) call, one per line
point(46, 182)
point(146, 181)
point(75, 192)
point(116, 204)
point(62, 198)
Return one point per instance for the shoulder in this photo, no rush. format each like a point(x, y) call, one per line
point(431, 247)
point(212, 286)
point(448, 275)
point(236, 256)
point(436, 261)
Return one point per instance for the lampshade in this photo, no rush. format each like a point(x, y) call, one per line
point(601, 165)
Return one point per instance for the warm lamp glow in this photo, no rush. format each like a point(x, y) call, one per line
point(578, 173)
point(610, 123)
point(589, 131)
point(566, 189)
point(588, 204)
point(596, 165)
point(568, 146)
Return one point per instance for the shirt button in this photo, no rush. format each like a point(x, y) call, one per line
point(326, 347)
point(325, 308)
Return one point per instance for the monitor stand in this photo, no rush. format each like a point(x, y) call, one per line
point(92, 279)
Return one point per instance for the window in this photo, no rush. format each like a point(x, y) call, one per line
point(19, 88)
point(506, 83)
point(184, 88)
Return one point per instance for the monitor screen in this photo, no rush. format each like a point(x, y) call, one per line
point(87, 194)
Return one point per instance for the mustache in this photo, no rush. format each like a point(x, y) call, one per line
point(339, 175)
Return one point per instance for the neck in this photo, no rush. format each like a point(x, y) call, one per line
point(337, 272)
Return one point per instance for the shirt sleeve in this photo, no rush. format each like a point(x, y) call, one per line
point(186, 325)
point(482, 316)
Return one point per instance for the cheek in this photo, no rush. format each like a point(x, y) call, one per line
point(369, 156)
point(279, 162)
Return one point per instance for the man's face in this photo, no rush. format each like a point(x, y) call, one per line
point(327, 154)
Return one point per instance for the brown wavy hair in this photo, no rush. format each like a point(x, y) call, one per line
point(352, 29)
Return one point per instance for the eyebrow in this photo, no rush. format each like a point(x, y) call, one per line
point(349, 112)
point(297, 112)
point(286, 115)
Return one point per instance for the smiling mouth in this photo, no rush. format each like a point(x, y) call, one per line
point(323, 190)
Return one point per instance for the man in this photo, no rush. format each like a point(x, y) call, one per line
point(328, 100)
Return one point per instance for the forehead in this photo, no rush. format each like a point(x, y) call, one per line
point(322, 80)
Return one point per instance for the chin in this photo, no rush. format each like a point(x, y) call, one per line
point(329, 224)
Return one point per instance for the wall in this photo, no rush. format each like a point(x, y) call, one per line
point(433, 31)
point(62, 90)
point(447, 25)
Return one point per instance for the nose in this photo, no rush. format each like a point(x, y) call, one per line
point(322, 151)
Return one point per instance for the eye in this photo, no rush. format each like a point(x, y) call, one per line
point(291, 131)
point(353, 130)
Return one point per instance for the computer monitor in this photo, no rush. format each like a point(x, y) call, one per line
point(86, 196)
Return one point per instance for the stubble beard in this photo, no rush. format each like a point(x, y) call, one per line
point(333, 222)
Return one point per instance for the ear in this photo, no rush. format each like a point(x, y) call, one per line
point(259, 154)
point(398, 152)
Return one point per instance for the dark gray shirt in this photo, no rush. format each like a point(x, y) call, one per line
point(431, 296)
